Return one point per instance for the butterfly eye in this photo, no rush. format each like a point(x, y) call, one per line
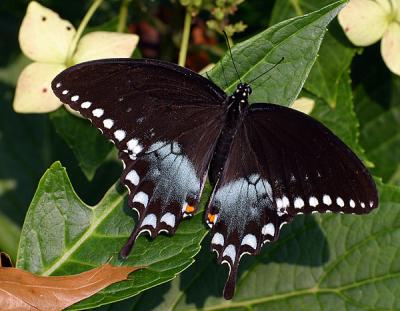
point(249, 90)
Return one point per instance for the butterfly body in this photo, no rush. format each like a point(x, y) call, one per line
point(237, 106)
point(173, 128)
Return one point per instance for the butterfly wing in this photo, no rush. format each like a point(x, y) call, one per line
point(281, 163)
point(164, 120)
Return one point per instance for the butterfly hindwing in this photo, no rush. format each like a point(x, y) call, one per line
point(164, 120)
point(281, 163)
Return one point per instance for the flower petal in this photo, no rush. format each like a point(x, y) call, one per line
point(102, 44)
point(390, 48)
point(44, 36)
point(304, 105)
point(33, 93)
point(364, 21)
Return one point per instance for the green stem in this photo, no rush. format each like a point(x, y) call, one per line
point(185, 38)
point(123, 15)
point(297, 8)
point(81, 28)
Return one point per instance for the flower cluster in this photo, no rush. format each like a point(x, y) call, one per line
point(367, 21)
point(52, 43)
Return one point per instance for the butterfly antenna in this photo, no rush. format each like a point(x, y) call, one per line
point(230, 52)
point(223, 73)
point(280, 61)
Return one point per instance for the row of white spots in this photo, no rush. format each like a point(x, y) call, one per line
point(98, 113)
point(151, 220)
point(283, 203)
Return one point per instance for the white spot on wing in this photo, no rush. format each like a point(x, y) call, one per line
point(108, 123)
point(218, 239)
point(133, 177)
point(230, 251)
point(58, 85)
point(352, 203)
point(65, 92)
point(141, 197)
point(86, 105)
point(326, 199)
point(98, 112)
point(285, 201)
point(150, 220)
point(279, 203)
point(250, 240)
point(298, 203)
point(362, 204)
point(119, 135)
point(339, 201)
point(268, 229)
point(74, 98)
point(169, 219)
point(313, 201)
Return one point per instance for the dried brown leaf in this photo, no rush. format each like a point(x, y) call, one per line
point(22, 290)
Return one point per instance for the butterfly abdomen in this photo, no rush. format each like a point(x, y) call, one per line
point(225, 139)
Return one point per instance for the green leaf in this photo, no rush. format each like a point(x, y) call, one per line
point(342, 119)
point(62, 235)
point(9, 235)
point(335, 55)
point(377, 105)
point(297, 40)
point(88, 145)
point(24, 154)
point(329, 79)
point(339, 262)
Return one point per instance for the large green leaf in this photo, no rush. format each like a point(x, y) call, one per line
point(325, 262)
point(329, 80)
point(62, 235)
point(335, 55)
point(297, 40)
point(88, 145)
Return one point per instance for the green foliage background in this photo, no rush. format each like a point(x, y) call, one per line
point(321, 262)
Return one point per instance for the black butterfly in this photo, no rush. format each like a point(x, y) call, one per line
point(173, 128)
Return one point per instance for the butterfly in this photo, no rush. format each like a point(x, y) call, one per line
point(174, 128)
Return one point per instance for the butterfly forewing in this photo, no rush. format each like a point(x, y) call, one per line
point(165, 121)
point(281, 163)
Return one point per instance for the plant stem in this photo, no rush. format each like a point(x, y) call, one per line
point(185, 38)
point(297, 8)
point(81, 28)
point(123, 15)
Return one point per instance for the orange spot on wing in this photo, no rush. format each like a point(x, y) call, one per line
point(189, 209)
point(211, 217)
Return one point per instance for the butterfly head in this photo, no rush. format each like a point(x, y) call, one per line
point(241, 94)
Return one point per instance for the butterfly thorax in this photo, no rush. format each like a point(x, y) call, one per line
point(237, 107)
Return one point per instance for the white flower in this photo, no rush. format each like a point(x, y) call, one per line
point(304, 105)
point(367, 21)
point(46, 39)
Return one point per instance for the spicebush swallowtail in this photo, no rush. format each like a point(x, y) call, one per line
point(173, 128)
